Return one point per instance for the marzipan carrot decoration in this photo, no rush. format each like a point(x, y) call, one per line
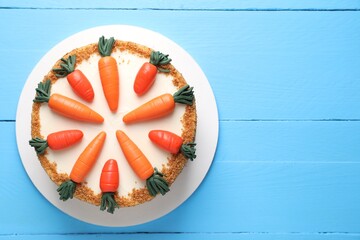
point(109, 183)
point(82, 167)
point(56, 141)
point(147, 73)
point(160, 106)
point(109, 74)
point(65, 106)
point(172, 143)
point(141, 166)
point(76, 78)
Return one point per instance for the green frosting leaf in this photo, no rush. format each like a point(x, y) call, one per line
point(43, 91)
point(105, 46)
point(159, 59)
point(108, 201)
point(184, 95)
point(66, 190)
point(67, 67)
point(188, 150)
point(157, 184)
point(150, 188)
point(39, 144)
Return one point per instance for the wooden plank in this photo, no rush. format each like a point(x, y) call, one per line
point(284, 141)
point(244, 197)
point(181, 5)
point(290, 65)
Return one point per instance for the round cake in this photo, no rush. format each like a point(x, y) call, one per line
point(128, 124)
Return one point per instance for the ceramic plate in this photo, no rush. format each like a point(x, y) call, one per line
point(192, 175)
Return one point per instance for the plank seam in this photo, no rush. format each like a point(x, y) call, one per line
point(188, 233)
point(261, 120)
point(290, 120)
point(192, 9)
point(287, 162)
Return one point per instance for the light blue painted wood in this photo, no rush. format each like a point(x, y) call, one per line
point(285, 168)
point(284, 141)
point(183, 5)
point(275, 65)
point(244, 196)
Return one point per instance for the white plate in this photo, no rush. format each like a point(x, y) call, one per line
point(192, 175)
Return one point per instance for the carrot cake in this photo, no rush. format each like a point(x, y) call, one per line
point(104, 115)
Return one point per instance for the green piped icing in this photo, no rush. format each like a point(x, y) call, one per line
point(66, 190)
point(108, 201)
point(184, 95)
point(105, 46)
point(39, 145)
point(159, 59)
point(188, 150)
point(66, 67)
point(43, 91)
point(157, 184)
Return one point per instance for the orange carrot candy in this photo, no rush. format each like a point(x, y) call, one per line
point(146, 75)
point(160, 106)
point(172, 143)
point(65, 106)
point(109, 74)
point(82, 167)
point(56, 141)
point(109, 183)
point(141, 166)
point(76, 78)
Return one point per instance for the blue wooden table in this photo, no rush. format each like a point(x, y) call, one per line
point(286, 77)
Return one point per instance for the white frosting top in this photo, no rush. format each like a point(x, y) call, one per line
point(128, 65)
